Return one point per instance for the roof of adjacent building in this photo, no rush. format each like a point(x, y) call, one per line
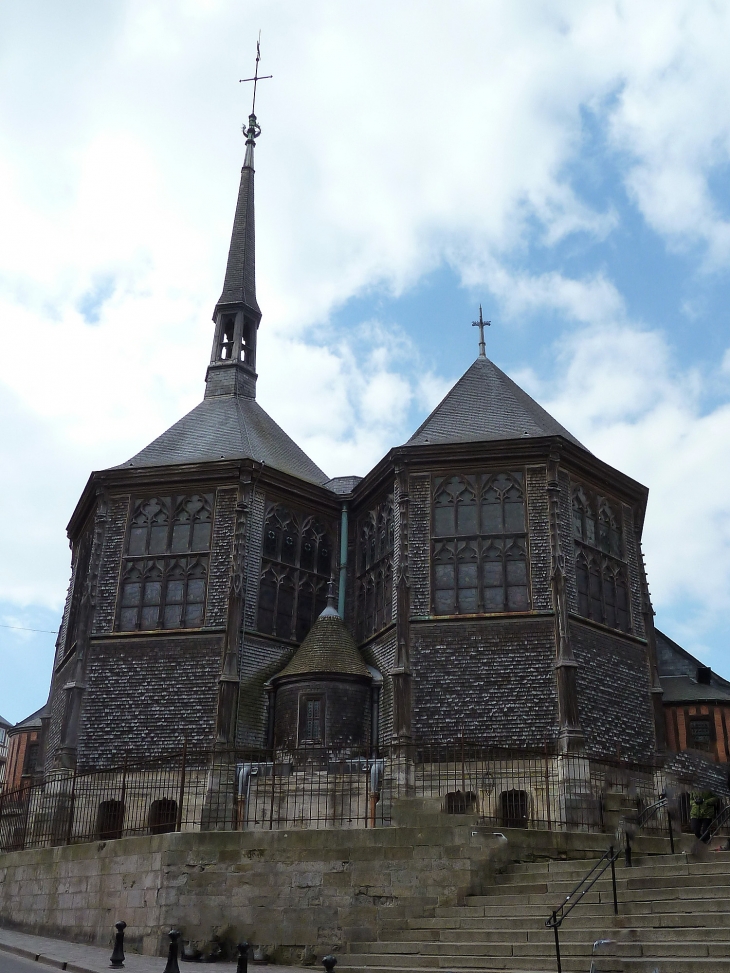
point(5, 724)
point(486, 405)
point(33, 721)
point(684, 689)
point(329, 649)
point(678, 670)
point(228, 427)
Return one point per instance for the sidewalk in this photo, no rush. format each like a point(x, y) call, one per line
point(77, 958)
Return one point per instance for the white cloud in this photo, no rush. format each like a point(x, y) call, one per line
point(396, 137)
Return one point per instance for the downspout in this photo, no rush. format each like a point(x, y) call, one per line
point(343, 561)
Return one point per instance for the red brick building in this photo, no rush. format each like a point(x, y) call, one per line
point(24, 751)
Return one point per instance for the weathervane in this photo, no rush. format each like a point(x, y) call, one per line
point(253, 131)
point(481, 324)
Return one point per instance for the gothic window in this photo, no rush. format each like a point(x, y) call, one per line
point(374, 569)
point(165, 570)
point(480, 544)
point(601, 574)
point(297, 563)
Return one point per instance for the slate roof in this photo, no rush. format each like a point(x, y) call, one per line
point(328, 649)
point(682, 689)
point(239, 285)
point(228, 427)
point(342, 485)
point(4, 724)
point(486, 405)
point(32, 721)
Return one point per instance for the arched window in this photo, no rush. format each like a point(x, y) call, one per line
point(374, 561)
point(601, 573)
point(514, 808)
point(110, 820)
point(162, 816)
point(480, 544)
point(297, 563)
point(160, 588)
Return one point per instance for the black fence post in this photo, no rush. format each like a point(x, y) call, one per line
point(117, 957)
point(671, 830)
point(172, 965)
point(557, 942)
point(613, 880)
point(329, 962)
point(242, 964)
point(627, 851)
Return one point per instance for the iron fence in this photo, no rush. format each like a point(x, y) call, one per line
point(324, 788)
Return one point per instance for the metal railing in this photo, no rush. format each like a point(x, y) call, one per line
point(318, 787)
point(559, 915)
point(647, 815)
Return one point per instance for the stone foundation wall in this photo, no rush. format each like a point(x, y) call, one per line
point(297, 893)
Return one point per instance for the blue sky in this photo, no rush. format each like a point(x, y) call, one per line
point(565, 164)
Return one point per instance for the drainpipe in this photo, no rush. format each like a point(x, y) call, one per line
point(343, 561)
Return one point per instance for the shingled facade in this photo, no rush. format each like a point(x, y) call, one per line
point(489, 570)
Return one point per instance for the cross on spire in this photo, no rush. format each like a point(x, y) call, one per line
point(481, 324)
point(256, 77)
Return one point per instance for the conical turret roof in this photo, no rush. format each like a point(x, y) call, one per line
point(486, 405)
point(329, 649)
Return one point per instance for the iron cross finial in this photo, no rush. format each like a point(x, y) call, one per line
point(256, 77)
point(481, 324)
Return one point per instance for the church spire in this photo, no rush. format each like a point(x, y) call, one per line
point(232, 369)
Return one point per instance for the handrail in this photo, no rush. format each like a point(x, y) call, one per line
point(717, 822)
point(558, 916)
point(646, 815)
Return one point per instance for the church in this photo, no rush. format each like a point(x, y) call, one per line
point(484, 580)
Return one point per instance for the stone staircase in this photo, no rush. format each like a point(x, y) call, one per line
point(674, 917)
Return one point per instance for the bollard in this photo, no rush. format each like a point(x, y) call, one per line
point(117, 957)
point(329, 963)
point(242, 964)
point(172, 966)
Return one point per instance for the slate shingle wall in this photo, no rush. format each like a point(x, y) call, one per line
point(219, 571)
point(111, 558)
point(419, 543)
point(143, 694)
point(493, 678)
point(346, 711)
point(567, 544)
point(613, 693)
point(539, 536)
point(381, 653)
point(253, 556)
point(260, 660)
point(632, 557)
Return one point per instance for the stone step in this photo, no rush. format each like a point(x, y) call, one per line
point(642, 889)
point(521, 964)
point(575, 874)
point(568, 932)
point(699, 875)
point(585, 918)
point(692, 948)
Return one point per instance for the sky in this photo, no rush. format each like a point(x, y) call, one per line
point(565, 164)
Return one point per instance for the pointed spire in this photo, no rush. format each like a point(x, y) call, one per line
point(232, 369)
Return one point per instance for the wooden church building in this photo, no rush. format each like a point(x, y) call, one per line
point(488, 579)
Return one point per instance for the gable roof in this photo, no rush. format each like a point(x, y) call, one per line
point(228, 427)
point(486, 405)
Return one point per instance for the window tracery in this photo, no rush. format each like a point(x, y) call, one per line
point(601, 573)
point(480, 544)
point(296, 566)
point(165, 569)
point(374, 575)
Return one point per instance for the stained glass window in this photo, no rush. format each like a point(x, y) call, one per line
point(480, 544)
point(374, 585)
point(296, 567)
point(601, 572)
point(165, 570)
